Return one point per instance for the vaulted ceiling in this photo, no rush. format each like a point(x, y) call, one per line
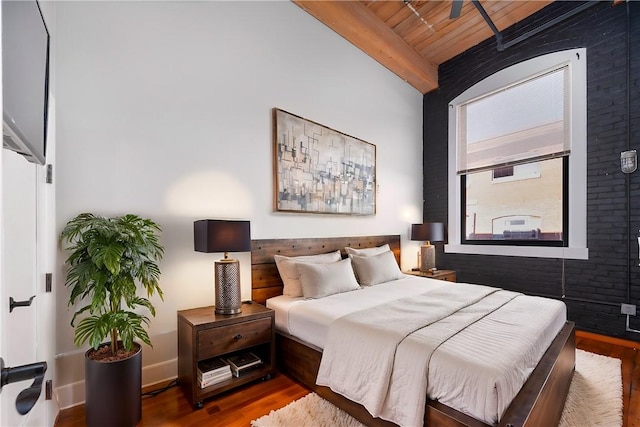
point(412, 37)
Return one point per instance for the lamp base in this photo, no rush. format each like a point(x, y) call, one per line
point(227, 310)
point(427, 257)
point(227, 287)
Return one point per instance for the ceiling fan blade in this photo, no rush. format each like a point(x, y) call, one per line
point(456, 7)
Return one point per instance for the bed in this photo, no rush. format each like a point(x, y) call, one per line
point(539, 402)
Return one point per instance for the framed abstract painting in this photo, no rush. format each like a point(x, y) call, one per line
point(320, 170)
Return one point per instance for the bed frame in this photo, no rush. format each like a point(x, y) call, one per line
point(539, 403)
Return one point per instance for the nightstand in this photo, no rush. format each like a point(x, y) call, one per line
point(447, 275)
point(203, 334)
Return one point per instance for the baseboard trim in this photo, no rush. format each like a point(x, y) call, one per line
point(607, 339)
point(71, 395)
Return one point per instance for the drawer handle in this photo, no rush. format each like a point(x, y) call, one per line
point(237, 337)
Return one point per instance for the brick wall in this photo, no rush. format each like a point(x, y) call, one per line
point(594, 288)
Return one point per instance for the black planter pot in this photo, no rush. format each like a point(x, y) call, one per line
point(113, 391)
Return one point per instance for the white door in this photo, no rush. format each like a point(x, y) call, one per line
point(22, 278)
point(18, 274)
point(27, 252)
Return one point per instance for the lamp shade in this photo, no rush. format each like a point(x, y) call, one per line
point(429, 231)
point(216, 235)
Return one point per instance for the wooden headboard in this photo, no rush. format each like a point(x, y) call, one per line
point(265, 280)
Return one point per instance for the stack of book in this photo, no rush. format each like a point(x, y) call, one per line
point(213, 371)
point(243, 363)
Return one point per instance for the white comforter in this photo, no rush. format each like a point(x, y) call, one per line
point(477, 371)
point(367, 359)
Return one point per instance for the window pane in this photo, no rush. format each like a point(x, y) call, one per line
point(525, 206)
point(476, 213)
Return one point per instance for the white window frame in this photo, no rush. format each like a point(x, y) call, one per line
point(576, 59)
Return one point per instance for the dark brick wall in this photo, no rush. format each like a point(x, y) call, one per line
point(594, 288)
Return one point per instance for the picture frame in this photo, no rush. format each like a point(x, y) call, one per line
point(320, 170)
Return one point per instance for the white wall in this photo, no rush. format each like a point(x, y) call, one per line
point(164, 110)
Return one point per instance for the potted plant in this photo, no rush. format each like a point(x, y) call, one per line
point(111, 259)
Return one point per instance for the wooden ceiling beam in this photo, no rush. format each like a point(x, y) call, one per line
point(355, 22)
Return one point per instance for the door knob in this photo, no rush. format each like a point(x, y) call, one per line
point(28, 397)
point(13, 303)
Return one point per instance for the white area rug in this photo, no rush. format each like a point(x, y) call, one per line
point(595, 400)
point(595, 395)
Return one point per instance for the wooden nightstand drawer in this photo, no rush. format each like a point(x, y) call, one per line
point(225, 339)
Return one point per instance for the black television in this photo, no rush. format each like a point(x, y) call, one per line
point(25, 79)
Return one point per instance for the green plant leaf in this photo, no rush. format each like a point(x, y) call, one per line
point(109, 260)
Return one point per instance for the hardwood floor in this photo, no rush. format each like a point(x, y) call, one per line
point(239, 407)
point(233, 409)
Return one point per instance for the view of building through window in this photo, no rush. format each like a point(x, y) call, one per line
point(522, 202)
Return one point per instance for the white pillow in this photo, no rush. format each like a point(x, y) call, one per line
point(376, 269)
point(367, 251)
point(289, 272)
point(321, 280)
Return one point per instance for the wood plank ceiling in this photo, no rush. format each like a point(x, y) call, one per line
point(412, 37)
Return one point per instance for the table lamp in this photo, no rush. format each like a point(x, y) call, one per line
point(427, 232)
point(214, 235)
